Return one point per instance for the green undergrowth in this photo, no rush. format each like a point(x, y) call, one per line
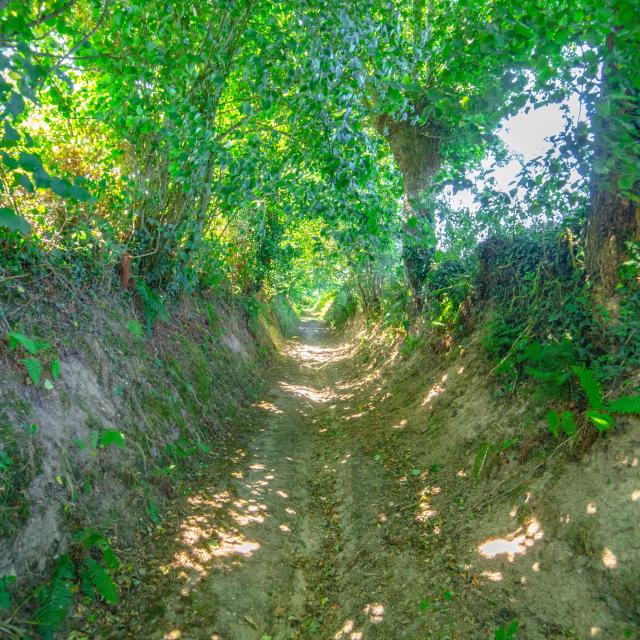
point(341, 309)
point(544, 329)
point(548, 329)
point(284, 314)
point(178, 380)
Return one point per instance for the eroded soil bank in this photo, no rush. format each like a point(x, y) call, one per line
point(352, 512)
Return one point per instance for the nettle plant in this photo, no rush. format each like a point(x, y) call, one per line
point(599, 413)
point(38, 357)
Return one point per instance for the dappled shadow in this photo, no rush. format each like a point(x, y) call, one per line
point(315, 347)
point(236, 538)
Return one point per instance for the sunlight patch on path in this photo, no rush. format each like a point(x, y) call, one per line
point(513, 544)
point(309, 393)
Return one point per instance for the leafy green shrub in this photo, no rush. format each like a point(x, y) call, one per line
point(445, 287)
point(599, 413)
point(540, 295)
point(35, 350)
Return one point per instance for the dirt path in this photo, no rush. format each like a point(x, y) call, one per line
point(255, 556)
point(319, 528)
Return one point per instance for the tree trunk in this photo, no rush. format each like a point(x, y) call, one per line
point(613, 221)
point(416, 151)
point(613, 218)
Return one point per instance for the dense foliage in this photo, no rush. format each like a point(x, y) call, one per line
point(188, 143)
point(340, 154)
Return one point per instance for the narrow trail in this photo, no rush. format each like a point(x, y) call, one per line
point(302, 536)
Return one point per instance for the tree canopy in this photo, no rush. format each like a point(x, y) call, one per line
point(213, 144)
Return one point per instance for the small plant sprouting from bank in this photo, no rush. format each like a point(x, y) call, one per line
point(37, 354)
point(507, 632)
point(598, 412)
point(5, 594)
point(153, 305)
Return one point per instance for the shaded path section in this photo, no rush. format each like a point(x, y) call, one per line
point(239, 572)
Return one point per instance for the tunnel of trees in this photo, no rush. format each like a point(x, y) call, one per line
point(184, 143)
point(342, 154)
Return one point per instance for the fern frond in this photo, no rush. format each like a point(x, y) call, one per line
point(568, 423)
point(558, 377)
point(152, 303)
point(34, 369)
point(108, 556)
point(56, 598)
point(553, 421)
point(89, 538)
point(626, 405)
point(100, 579)
point(590, 387)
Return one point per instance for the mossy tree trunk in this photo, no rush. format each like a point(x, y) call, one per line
point(614, 217)
point(613, 221)
point(416, 151)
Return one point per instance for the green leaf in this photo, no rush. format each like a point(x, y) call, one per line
point(79, 193)
point(557, 377)
point(15, 105)
point(48, 385)
point(112, 436)
point(626, 405)
point(553, 420)
point(5, 596)
point(55, 368)
point(568, 424)
point(25, 183)
point(153, 511)
point(10, 134)
point(135, 327)
point(60, 187)
point(28, 344)
point(100, 580)
point(56, 597)
point(590, 387)
point(507, 633)
point(424, 604)
point(13, 222)
point(30, 162)
point(601, 420)
point(34, 369)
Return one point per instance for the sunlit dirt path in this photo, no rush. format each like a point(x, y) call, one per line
point(331, 514)
point(247, 551)
point(318, 527)
point(250, 554)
